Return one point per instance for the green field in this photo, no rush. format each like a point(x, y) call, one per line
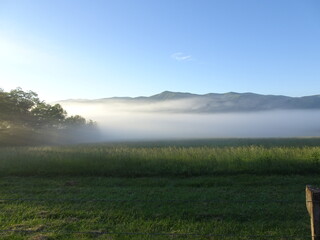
point(171, 159)
point(204, 189)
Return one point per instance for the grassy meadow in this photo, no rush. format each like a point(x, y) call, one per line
point(199, 189)
point(171, 159)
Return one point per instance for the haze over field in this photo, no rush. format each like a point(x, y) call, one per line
point(183, 115)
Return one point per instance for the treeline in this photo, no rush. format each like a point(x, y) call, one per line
point(26, 120)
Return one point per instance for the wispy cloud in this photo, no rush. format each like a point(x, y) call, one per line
point(179, 56)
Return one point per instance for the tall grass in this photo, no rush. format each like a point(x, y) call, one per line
point(121, 160)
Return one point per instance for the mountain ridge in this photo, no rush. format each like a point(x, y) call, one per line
point(212, 102)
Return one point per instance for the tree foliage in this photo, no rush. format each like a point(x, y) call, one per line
point(46, 115)
point(23, 112)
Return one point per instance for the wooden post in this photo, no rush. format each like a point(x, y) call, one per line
point(313, 206)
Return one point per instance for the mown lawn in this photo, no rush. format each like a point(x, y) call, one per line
point(225, 207)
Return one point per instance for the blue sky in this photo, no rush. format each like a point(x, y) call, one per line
point(93, 49)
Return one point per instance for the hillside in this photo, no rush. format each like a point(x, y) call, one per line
point(208, 103)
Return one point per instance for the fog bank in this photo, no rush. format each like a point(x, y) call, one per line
point(127, 122)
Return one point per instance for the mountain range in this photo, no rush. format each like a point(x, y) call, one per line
point(208, 103)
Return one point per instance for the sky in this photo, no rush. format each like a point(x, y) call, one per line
point(65, 49)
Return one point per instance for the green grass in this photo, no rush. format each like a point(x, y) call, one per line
point(244, 206)
point(151, 160)
point(256, 187)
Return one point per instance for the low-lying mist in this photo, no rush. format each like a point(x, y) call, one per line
point(121, 121)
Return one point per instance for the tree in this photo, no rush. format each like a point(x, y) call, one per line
point(26, 119)
point(4, 106)
point(75, 121)
point(16, 106)
point(46, 115)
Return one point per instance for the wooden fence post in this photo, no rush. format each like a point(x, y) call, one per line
point(313, 206)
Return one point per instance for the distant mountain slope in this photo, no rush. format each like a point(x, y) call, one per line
point(207, 103)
